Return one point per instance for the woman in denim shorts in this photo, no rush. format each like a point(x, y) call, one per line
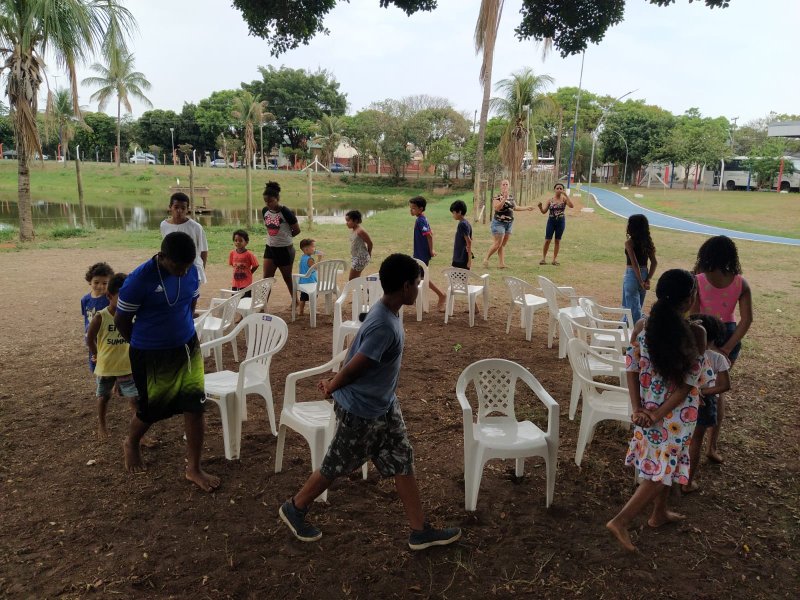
point(556, 221)
point(502, 223)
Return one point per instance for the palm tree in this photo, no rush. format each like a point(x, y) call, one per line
point(522, 92)
point(60, 114)
point(250, 112)
point(117, 78)
point(330, 134)
point(70, 32)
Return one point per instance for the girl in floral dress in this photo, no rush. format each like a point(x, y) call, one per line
point(664, 366)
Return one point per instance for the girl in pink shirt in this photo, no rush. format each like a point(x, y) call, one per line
point(720, 288)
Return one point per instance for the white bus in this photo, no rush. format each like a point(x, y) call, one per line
point(790, 182)
point(736, 175)
point(543, 163)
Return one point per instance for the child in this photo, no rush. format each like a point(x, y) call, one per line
point(716, 369)
point(720, 287)
point(165, 356)
point(423, 240)
point(109, 353)
point(639, 249)
point(178, 221)
point(96, 300)
point(664, 373)
point(360, 244)
point(243, 261)
point(309, 249)
point(369, 422)
point(462, 244)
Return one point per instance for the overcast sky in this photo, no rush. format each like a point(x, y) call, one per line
point(738, 62)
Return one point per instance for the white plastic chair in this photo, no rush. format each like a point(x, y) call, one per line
point(522, 297)
point(216, 321)
point(503, 436)
point(423, 297)
point(266, 335)
point(610, 344)
point(325, 285)
point(313, 419)
point(601, 401)
point(608, 317)
point(458, 285)
point(553, 293)
point(364, 292)
point(259, 292)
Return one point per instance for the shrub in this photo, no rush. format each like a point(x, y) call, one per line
point(63, 232)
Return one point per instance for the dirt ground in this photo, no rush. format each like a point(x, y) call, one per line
point(74, 524)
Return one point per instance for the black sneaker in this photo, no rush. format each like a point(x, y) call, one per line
point(419, 540)
point(295, 520)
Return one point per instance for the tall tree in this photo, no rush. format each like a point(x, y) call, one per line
point(250, 112)
point(697, 141)
point(70, 32)
point(117, 78)
point(329, 130)
point(60, 115)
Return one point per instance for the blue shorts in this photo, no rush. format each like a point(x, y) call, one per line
point(501, 227)
point(707, 414)
point(555, 226)
point(729, 329)
point(124, 384)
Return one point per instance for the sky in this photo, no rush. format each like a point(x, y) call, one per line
point(737, 62)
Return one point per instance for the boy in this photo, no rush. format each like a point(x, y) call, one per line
point(462, 245)
point(369, 421)
point(165, 356)
point(97, 277)
point(178, 221)
point(309, 249)
point(423, 240)
point(109, 354)
point(243, 261)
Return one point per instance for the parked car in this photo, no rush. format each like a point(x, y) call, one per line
point(339, 168)
point(272, 165)
point(143, 159)
point(43, 157)
point(10, 153)
point(219, 162)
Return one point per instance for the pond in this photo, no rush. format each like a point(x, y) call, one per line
point(137, 218)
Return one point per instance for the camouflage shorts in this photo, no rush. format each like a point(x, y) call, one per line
point(383, 440)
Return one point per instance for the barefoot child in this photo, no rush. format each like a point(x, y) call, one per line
point(309, 258)
point(720, 287)
point(462, 243)
point(109, 353)
point(716, 370)
point(360, 244)
point(96, 300)
point(423, 240)
point(243, 261)
point(369, 422)
point(166, 361)
point(664, 372)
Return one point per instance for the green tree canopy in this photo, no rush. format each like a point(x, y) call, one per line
point(697, 141)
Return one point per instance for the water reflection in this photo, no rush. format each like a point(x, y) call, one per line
point(138, 218)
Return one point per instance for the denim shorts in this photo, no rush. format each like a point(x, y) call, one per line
point(707, 414)
point(555, 225)
point(124, 384)
point(501, 227)
point(384, 440)
point(729, 329)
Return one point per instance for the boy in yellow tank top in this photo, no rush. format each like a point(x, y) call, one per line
point(109, 353)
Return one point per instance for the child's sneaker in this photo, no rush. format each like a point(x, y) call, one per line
point(419, 540)
point(295, 520)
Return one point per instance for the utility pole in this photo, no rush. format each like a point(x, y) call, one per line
point(731, 130)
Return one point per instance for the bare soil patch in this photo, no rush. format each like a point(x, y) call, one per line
point(73, 529)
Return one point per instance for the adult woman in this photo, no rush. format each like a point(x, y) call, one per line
point(502, 223)
point(282, 226)
point(556, 222)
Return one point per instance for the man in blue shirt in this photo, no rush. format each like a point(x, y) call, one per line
point(166, 361)
point(369, 424)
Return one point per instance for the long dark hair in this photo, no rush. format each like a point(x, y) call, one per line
point(669, 338)
point(718, 253)
point(638, 232)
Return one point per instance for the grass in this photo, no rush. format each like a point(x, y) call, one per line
point(756, 212)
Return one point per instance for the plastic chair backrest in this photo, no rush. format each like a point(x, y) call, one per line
point(327, 270)
point(225, 309)
point(458, 279)
point(260, 292)
point(426, 276)
point(578, 353)
point(517, 288)
point(371, 293)
point(612, 338)
point(550, 291)
point(495, 382)
point(265, 333)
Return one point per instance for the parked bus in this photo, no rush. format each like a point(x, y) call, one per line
point(736, 175)
point(543, 163)
point(790, 181)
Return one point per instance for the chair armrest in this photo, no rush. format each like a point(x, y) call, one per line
point(229, 292)
point(466, 416)
point(484, 277)
point(613, 325)
point(293, 378)
point(603, 386)
point(565, 290)
point(553, 409)
point(229, 337)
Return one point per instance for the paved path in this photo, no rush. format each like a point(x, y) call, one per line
point(622, 207)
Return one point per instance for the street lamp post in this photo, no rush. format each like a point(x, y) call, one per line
point(625, 170)
point(261, 128)
point(172, 137)
point(599, 123)
point(575, 125)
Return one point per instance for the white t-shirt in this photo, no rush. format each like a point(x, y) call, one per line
point(713, 363)
point(195, 231)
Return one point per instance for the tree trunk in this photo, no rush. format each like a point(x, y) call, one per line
point(26, 233)
point(119, 119)
point(80, 187)
point(488, 54)
point(249, 192)
point(192, 205)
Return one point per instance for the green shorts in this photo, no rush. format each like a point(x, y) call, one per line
point(169, 381)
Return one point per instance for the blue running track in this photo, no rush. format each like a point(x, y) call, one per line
point(622, 207)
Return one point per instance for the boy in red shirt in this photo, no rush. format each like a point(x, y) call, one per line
point(243, 261)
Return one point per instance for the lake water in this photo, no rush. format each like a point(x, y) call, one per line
point(137, 218)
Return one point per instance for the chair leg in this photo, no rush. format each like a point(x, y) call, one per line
point(226, 431)
point(235, 423)
point(528, 312)
point(508, 321)
point(312, 309)
point(448, 306)
point(485, 302)
point(551, 464)
point(279, 448)
point(472, 482)
point(574, 396)
point(519, 469)
point(270, 409)
point(583, 434)
point(551, 329)
point(420, 303)
point(235, 348)
point(472, 300)
point(562, 342)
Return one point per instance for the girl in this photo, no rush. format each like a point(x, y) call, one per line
point(281, 226)
point(639, 249)
point(360, 244)
point(243, 261)
point(664, 370)
point(556, 222)
point(720, 287)
point(716, 368)
point(502, 223)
